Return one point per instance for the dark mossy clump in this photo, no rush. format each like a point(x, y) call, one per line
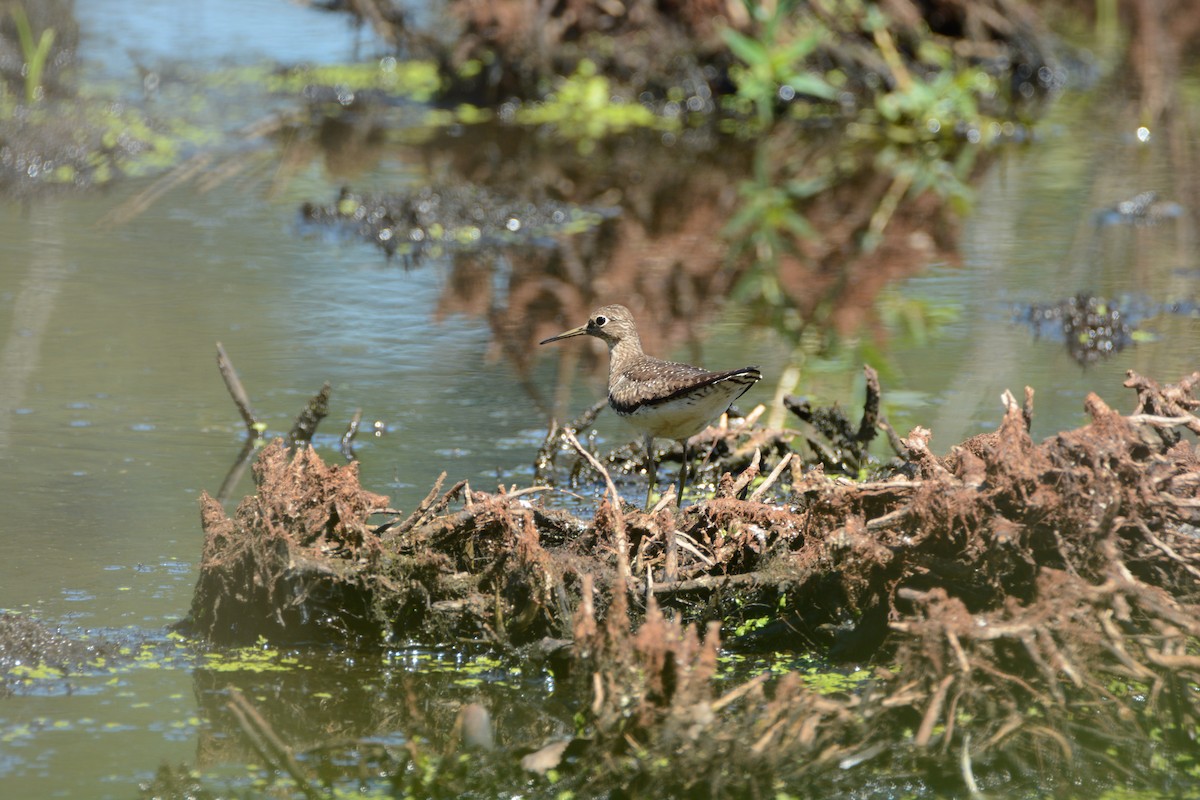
point(1093, 328)
point(444, 218)
point(32, 652)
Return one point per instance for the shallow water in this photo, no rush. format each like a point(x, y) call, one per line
point(113, 417)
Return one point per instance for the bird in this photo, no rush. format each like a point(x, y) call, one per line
point(661, 399)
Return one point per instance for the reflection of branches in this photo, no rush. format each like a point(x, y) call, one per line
point(268, 743)
point(180, 175)
point(234, 476)
point(254, 428)
point(30, 310)
point(1162, 32)
point(350, 434)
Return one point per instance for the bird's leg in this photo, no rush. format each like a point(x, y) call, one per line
point(651, 471)
point(683, 469)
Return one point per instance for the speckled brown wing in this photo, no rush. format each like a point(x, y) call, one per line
point(650, 382)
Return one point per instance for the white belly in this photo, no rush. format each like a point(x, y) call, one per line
point(684, 416)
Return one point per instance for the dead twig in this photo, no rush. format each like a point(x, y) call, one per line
point(894, 440)
point(870, 418)
point(707, 583)
point(668, 499)
point(739, 691)
point(621, 543)
point(544, 460)
point(410, 522)
point(889, 519)
point(238, 392)
point(1166, 549)
point(965, 767)
point(774, 476)
point(748, 474)
point(305, 426)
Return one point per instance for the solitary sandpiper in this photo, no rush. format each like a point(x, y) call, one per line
point(662, 399)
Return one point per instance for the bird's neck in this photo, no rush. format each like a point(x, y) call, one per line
point(622, 353)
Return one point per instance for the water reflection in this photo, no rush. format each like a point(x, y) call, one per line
point(32, 306)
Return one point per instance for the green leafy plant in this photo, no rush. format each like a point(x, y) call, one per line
point(583, 106)
point(35, 53)
point(774, 63)
point(416, 79)
point(768, 216)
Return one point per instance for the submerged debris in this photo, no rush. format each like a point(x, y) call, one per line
point(1093, 328)
point(31, 651)
point(464, 216)
point(1141, 209)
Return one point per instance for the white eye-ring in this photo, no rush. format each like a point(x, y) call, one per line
point(601, 321)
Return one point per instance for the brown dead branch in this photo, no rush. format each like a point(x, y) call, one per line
point(305, 426)
point(238, 392)
point(620, 542)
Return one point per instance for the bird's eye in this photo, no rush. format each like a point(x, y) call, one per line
point(601, 321)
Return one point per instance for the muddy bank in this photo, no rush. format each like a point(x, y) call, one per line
point(1035, 604)
point(981, 521)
